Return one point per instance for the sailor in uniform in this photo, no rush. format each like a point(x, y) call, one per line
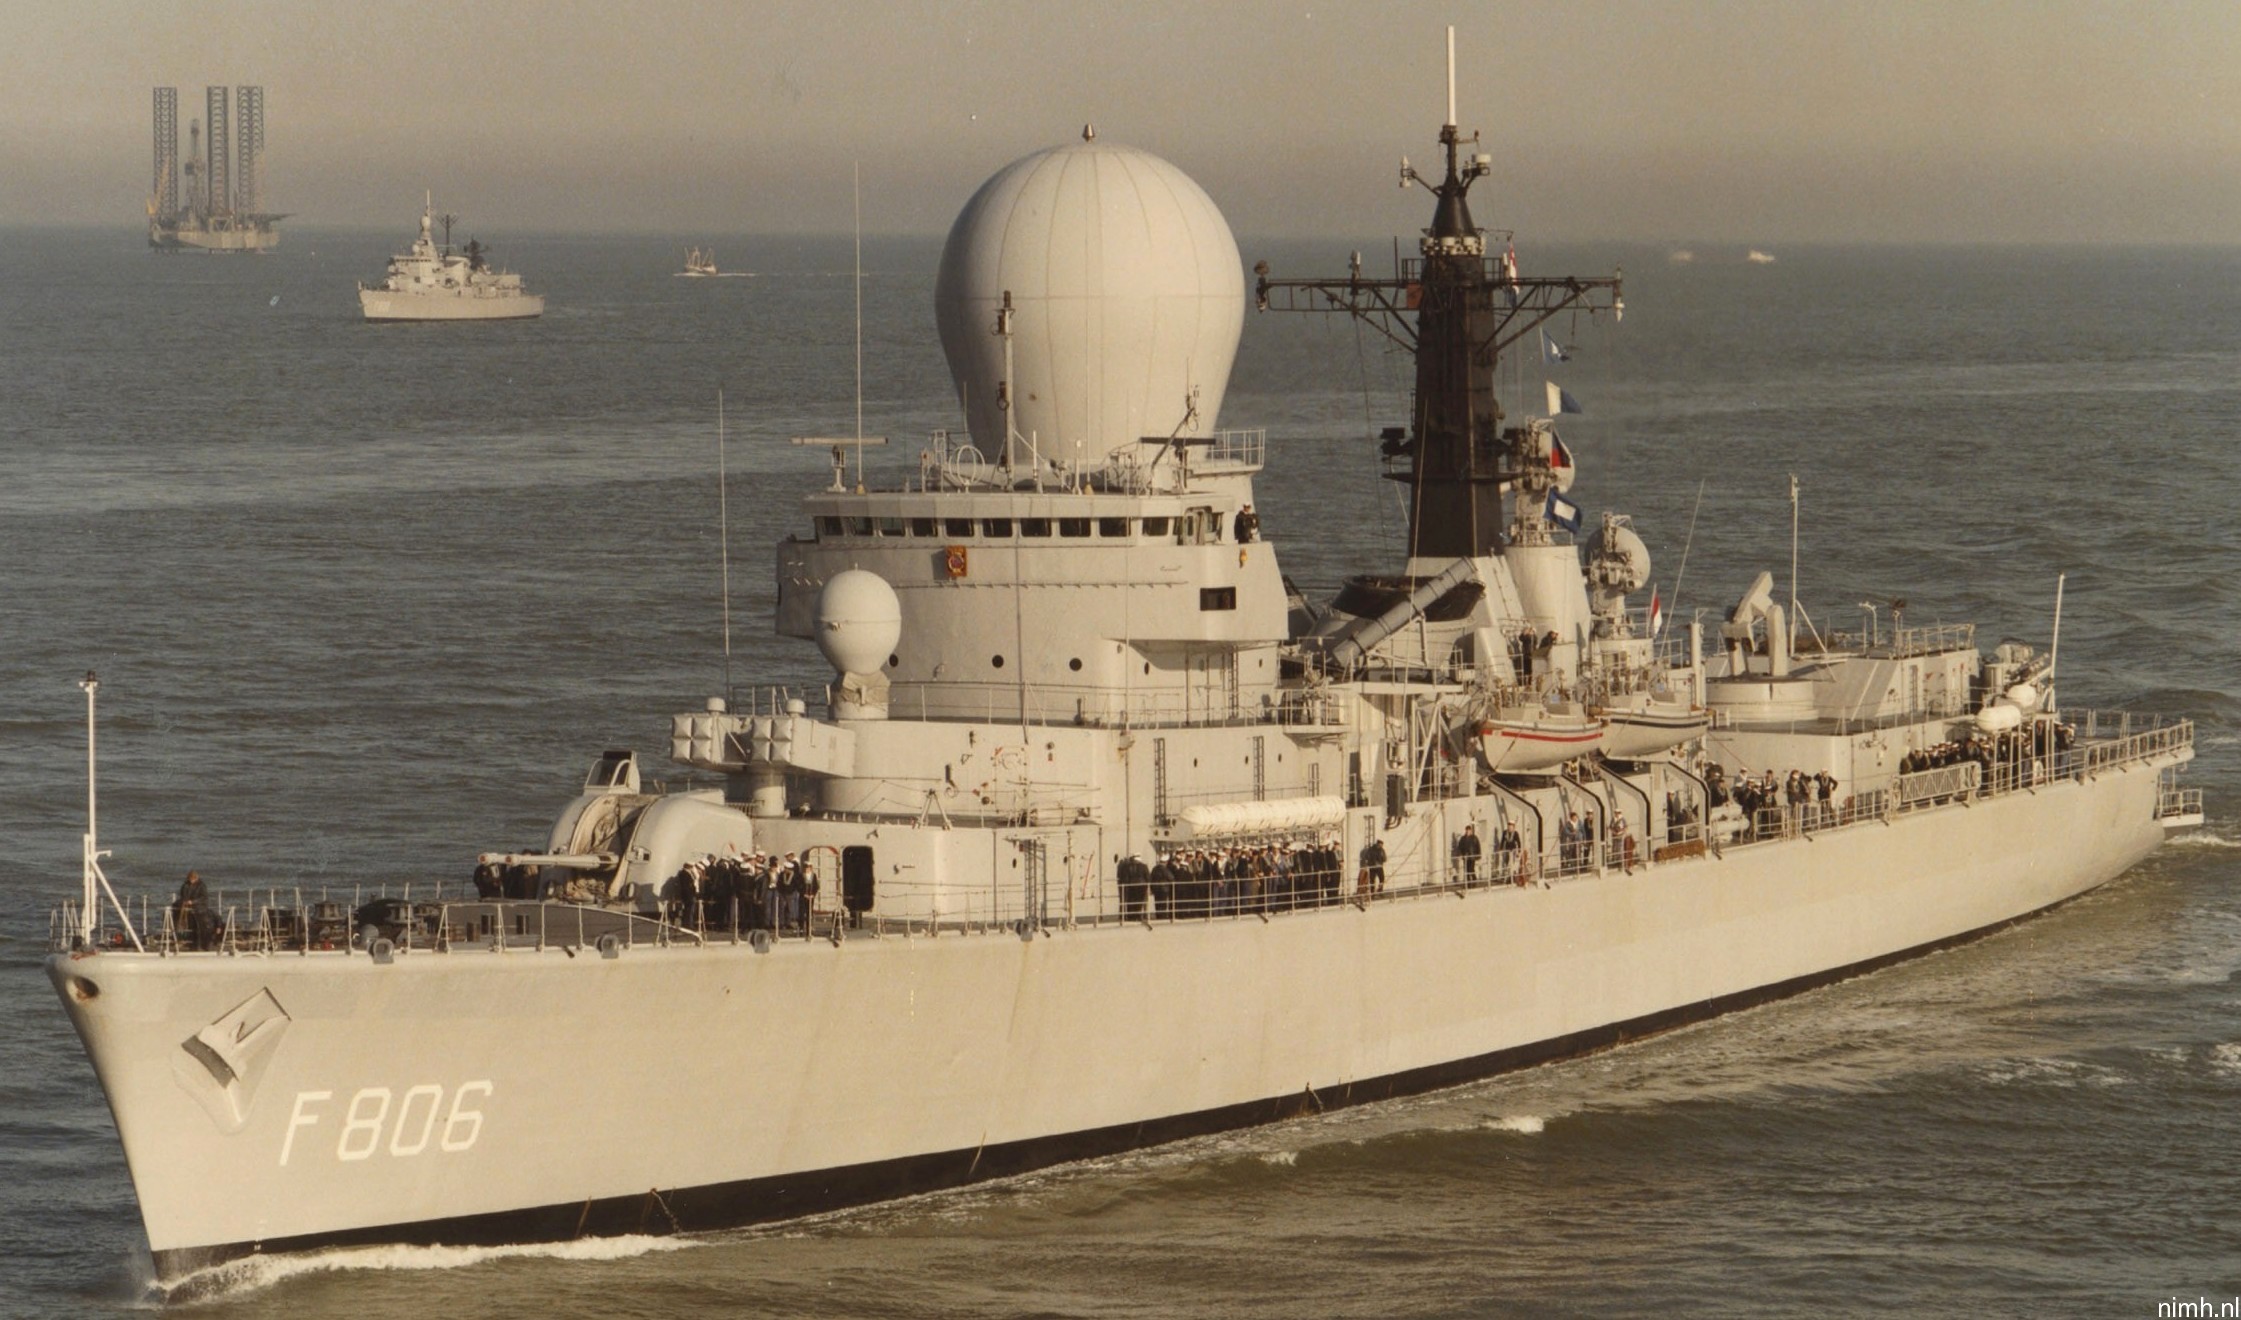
point(1466, 856)
point(190, 911)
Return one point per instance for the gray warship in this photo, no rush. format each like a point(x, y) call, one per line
point(431, 282)
point(1099, 837)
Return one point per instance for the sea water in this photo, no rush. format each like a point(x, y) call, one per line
point(366, 600)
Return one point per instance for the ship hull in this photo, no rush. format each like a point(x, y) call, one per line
point(382, 305)
point(533, 1095)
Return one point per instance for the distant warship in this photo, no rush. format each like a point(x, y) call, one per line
point(1100, 836)
point(428, 283)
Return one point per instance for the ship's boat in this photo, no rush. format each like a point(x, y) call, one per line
point(1539, 738)
point(1644, 723)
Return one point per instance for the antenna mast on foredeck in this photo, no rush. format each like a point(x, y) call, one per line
point(96, 883)
point(723, 533)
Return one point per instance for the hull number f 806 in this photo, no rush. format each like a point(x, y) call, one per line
point(379, 1121)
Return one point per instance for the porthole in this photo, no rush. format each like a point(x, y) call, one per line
point(997, 661)
point(894, 662)
point(1075, 665)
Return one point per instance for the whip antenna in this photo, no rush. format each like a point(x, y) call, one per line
point(859, 178)
point(723, 535)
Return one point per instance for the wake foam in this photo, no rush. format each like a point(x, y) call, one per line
point(1524, 1124)
point(2062, 1074)
point(2208, 837)
point(253, 1274)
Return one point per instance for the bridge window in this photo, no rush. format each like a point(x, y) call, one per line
point(890, 527)
point(1217, 598)
point(1112, 526)
point(1034, 527)
point(1073, 527)
point(1000, 527)
point(860, 526)
point(828, 525)
point(922, 527)
point(1155, 526)
point(957, 527)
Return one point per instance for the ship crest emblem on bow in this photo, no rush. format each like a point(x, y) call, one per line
point(221, 1064)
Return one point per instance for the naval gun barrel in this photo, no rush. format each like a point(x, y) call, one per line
point(572, 861)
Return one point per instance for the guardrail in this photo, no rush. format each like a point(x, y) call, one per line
point(2175, 803)
point(284, 922)
point(996, 702)
point(1905, 641)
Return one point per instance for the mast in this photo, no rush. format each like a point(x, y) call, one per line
point(1455, 309)
point(89, 904)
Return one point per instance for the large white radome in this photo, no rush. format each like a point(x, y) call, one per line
point(1128, 294)
point(859, 620)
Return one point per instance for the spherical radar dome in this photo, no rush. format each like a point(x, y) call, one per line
point(1127, 295)
point(859, 620)
point(1619, 561)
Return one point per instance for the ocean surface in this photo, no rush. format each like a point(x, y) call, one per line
point(367, 600)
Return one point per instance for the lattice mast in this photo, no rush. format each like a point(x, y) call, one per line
point(1455, 308)
point(218, 168)
point(249, 151)
point(163, 190)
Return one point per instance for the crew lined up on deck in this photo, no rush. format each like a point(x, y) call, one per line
point(751, 891)
point(1805, 801)
point(1220, 881)
point(2015, 747)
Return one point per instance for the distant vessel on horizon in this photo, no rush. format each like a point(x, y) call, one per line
point(223, 206)
point(427, 284)
point(1758, 258)
point(699, 262)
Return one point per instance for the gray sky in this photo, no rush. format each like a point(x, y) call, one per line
point(1713, 121)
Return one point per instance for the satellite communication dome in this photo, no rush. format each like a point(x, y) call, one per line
point(1620, 561)
point(1128, 295)
point(859, 620)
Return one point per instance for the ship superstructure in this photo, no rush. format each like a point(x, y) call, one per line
point(431, 282)
point(1100, 836)
point(221, 207)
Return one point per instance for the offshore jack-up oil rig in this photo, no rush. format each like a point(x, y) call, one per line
point(221, 207)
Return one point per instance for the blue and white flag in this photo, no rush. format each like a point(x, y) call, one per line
point(1561, 400)
point(1563, 512)
point(1551, 351)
